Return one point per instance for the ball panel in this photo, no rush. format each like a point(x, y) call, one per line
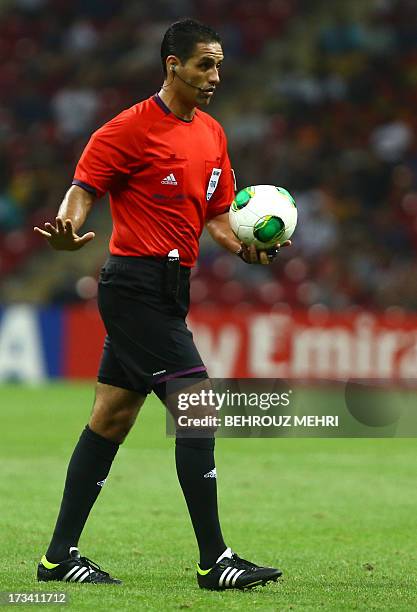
point(287, 194)
point(269, 229)
point(245, 234)
point(242, 198)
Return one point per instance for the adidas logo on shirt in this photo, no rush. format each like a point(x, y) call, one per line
point(169, 180)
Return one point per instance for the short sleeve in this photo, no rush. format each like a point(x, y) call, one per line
point(223, 196)
point(109, 156)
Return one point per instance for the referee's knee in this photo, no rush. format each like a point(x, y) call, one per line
point(113, 424)
point(111, 430)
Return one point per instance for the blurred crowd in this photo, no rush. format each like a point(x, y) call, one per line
point(317, 97)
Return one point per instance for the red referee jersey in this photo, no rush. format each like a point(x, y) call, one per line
point(166, 177)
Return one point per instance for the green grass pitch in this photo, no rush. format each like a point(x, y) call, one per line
point(337, 516)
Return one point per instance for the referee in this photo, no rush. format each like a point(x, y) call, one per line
point(165, 165)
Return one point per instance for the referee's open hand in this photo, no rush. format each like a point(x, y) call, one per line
point(62, 237)
point(251, 255)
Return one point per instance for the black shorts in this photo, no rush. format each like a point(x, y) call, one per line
point(148, 342)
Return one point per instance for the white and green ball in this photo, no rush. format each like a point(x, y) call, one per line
point(263, 215)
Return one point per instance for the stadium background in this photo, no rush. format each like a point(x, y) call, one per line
point(318, 97)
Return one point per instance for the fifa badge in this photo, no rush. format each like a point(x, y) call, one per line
point(212, 184)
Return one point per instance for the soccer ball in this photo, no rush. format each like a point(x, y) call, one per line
point(263, 215)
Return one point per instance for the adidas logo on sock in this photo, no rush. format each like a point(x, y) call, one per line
point(101, 482)
point(169, 180)
point(211, 474)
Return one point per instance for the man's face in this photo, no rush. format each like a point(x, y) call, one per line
point(201, 70)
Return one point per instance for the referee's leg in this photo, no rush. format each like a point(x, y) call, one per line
point(114, 412)
point(195, 463)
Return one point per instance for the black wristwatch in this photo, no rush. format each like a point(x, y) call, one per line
point(271, 252)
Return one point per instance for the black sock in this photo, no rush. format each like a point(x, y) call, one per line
point(89, 465)
point(196, 473)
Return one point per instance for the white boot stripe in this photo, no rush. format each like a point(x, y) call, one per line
point(72, 570)
point(223, 576)
point(236, 576)
point(230, 576)
point(84, 576)
point(77, 574)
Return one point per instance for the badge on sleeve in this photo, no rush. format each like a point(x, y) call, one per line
point(212, 184)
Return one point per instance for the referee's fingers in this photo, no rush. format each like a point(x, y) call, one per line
point(263, 258)
point(253, 254)
point(86, 238)
point(60, 225)
point(51, 229)
point(42, 232)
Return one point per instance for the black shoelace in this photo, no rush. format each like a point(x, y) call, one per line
point(92, 565)
point(241, 562)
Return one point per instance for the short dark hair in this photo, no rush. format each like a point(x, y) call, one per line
point(181, 38)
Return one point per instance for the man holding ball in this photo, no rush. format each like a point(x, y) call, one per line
point(165, 165)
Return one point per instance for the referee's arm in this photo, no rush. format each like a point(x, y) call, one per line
point(220, 230)
point(62, 236)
